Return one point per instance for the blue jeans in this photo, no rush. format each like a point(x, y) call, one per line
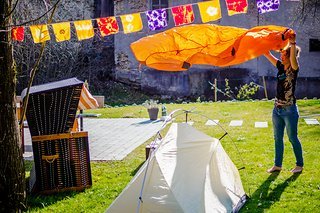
point(286, 117)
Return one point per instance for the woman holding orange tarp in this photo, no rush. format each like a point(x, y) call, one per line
point(285, 113)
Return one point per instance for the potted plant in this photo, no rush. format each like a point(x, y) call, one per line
point(153, 108)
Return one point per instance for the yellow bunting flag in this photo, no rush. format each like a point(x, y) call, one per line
point(131, 23)
point(84, 29)
point(62, 31)
point(210, 10)
point(40, 33)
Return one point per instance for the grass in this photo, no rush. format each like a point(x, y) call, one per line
point(247, 146)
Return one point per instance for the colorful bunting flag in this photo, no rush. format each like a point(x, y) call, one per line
point(182, 14)
point(40, 33)
point(157, 19)
point(17, 33)
point(84, 29)
point(267, 5)
point(62, 31)
point(108, 26)
point(131, 23)
point(209, 10)
point(236, 6)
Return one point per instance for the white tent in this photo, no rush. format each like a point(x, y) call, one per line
point(189, 172)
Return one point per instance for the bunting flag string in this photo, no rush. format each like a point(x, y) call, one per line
point(84, 29)
point(182, 15)
point(131, 23)
point(209, 10)
point(267, 5)
point(40, 33)
point(62, 31)
point(17, 33)
point(236, 6)
point(108, 26)
point(157, 20)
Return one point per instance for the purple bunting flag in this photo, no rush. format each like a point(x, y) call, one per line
point(157, 19)
point(265, 6)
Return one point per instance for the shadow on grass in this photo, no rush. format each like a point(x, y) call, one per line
point(39, 201)
point(133, 173)
point(262, 200)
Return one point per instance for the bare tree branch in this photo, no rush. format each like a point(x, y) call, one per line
point(14, 7)
point(38, 18)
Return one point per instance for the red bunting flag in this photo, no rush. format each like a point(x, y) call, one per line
point(182, 14)
point(108, 26)
point(17, 33)
point(236, 6)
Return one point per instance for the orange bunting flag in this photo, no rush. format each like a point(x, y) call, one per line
point(62, 31)
point(182, 14)
point(84, 29)
point(209, 10)
point(236, 6)
point(108, 26)
point(131, 23)
point(17, 33)
point(40, 33)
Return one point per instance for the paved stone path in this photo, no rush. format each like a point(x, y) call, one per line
point(114, 139)
point(111, 139)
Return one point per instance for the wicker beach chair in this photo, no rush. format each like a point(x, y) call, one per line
point(61, 157)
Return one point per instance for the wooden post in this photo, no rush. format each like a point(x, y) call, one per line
point(265, 87)
point(215, 90)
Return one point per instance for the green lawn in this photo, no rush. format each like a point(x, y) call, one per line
point(247, 146)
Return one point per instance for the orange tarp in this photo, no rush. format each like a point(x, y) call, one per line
point(207, 44)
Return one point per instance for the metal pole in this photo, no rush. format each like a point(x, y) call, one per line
point(215, 90)
point(265, 87)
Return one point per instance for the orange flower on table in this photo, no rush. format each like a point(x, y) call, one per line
point(108, 26)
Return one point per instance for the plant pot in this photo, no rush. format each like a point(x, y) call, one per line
point(153, 113)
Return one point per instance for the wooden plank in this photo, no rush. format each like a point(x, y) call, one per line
point(59, 136)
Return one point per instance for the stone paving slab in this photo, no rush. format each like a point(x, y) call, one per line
point(261, 124)
point(212, 122)
point(311, 121)
point(111, 139)
point(236, 123)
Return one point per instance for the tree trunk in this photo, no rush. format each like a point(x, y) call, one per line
point(12, 172)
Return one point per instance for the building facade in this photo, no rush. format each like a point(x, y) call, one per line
point(195, 81)
point(103, 58)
